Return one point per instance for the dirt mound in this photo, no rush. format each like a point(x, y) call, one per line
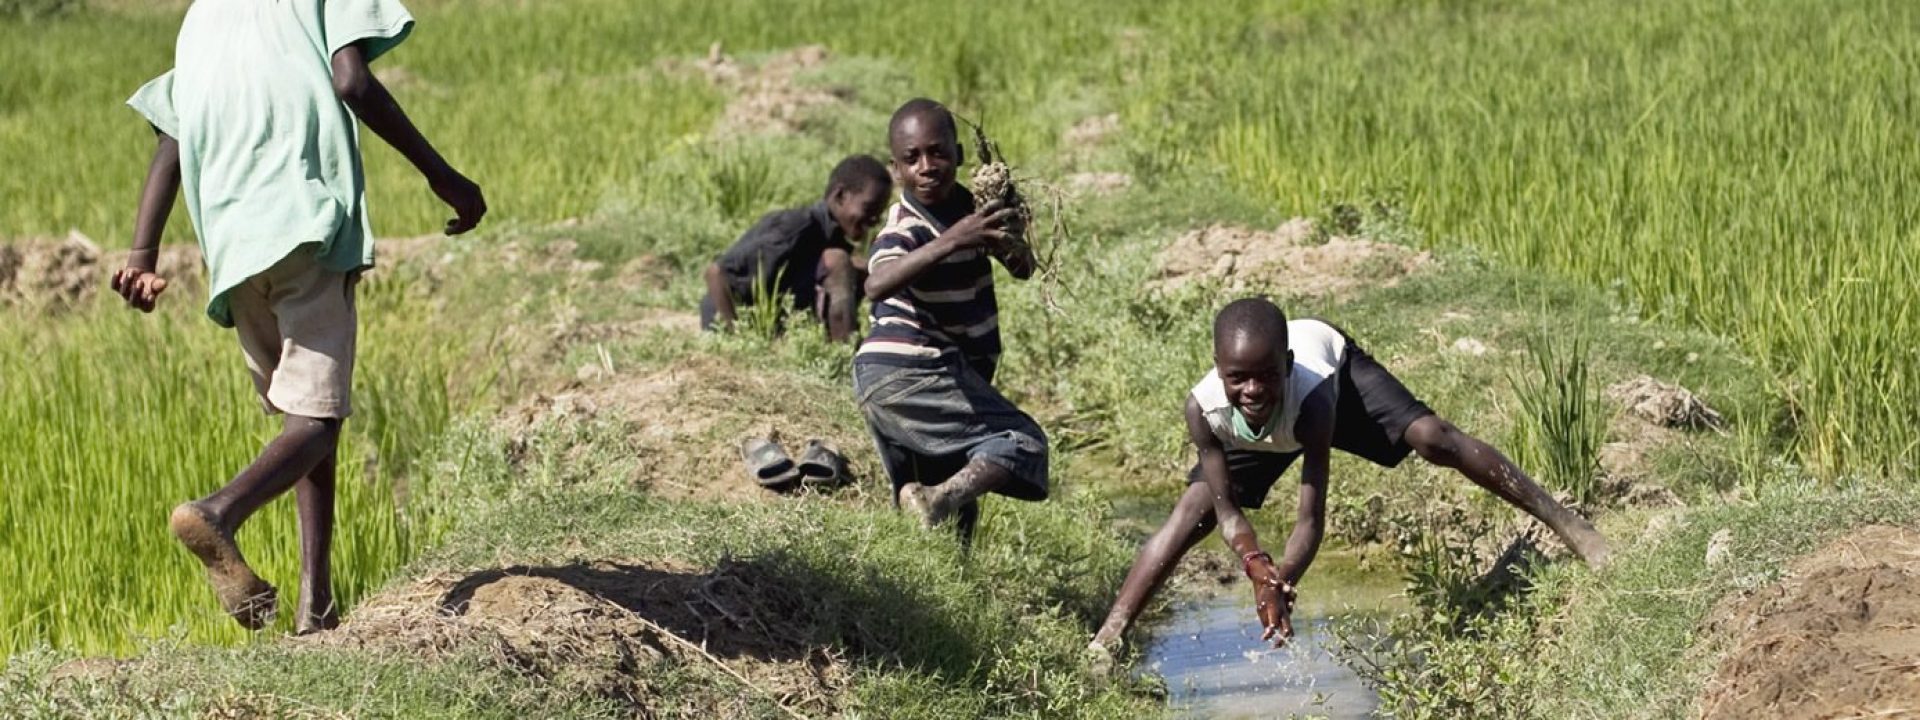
point(605, 627)
point(1091, 130)
point(1288, 260)
point(1838, 637)
point(1098, 183)
point(768, 98)
point(1665, 404)
point(683, 425)
point(50, 273)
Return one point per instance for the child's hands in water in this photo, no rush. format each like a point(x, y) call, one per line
point(1273, 598)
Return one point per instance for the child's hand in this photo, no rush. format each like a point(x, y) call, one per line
point(463, 196)
point(986, 227)
point(1272, 596)
point(140, 287)
point(1274, 603)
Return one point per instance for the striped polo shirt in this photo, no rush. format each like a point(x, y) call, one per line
point(949, 308)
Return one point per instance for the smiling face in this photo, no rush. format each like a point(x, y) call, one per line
point(857, 210)
point(926, 157)
point(1254, 370)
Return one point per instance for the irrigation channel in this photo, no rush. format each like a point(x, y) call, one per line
point(1209, 653)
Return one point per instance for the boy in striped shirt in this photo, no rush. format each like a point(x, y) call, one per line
point(923, 376)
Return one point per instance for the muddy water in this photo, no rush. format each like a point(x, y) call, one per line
point(1214, 664)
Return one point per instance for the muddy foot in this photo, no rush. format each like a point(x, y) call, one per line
point(308, 621)
point(245, 597)
point(923, 502)
point(1100, 658)
point(1590, 545)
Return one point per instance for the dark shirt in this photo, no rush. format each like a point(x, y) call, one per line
point(948, 308)
point(782, 251)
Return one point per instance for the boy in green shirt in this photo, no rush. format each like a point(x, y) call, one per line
point(256, 124)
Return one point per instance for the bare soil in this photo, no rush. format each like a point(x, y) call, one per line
point(1287, 260)
point(1665, 404)
point(57, 273)
point(684, 424)
point(605, 628)
point(1839, 636)
point(767, 96)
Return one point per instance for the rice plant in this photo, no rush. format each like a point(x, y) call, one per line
point(1563, 419)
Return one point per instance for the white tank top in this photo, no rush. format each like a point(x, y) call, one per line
point(1318, 350)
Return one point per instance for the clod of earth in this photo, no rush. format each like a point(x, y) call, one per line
point(1839, 636)
point(1286, 260)
point(1665, 404)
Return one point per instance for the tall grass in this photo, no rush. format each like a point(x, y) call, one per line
point(1743, 166)
point(109, 417)
point(1563, 419)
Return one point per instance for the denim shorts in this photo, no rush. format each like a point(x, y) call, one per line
point(930, 417)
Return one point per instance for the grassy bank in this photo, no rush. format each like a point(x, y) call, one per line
point(1636, 177)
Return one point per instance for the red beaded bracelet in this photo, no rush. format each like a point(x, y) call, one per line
point(1246, 561)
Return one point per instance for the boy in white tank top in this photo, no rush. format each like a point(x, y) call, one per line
point(1284, 390)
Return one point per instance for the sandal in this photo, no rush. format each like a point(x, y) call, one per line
point(820, 465)
point(769, 465)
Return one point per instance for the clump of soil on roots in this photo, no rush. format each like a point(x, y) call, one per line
point(683, 425)
point(1838, 637)
point(607, 628)
point(1287, 260)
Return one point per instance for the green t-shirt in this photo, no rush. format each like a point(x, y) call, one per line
point(269, 156)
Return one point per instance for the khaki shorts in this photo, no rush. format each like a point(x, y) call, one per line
point(297, 325)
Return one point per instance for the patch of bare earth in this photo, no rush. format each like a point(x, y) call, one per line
point(1838, 637)
point(57, 273)
point(684, 424)
point(768, 97)
point(1289, 260)
point(605, 628)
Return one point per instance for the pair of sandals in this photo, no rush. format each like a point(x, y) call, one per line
point(770, 466)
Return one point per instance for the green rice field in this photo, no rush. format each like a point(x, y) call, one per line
point(1745, 168)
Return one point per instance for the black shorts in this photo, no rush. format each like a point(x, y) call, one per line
point(1370, 420)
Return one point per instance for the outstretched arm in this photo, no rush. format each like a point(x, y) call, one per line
point(1315, 433)
point(363, 93)
point(1273, 597)
point(137, 282)
point(1234, 527)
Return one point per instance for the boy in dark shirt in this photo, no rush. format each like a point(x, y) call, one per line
point(805, 253)
point(923, 376)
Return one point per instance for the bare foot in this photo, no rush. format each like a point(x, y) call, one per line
point(308, 620)
point(245, 597)
point(1100, 658)
point(1588, 543)
point(924, 502)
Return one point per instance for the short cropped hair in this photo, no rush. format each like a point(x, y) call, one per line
point(926, 109)
point(1255, 316)
point(857, 173)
